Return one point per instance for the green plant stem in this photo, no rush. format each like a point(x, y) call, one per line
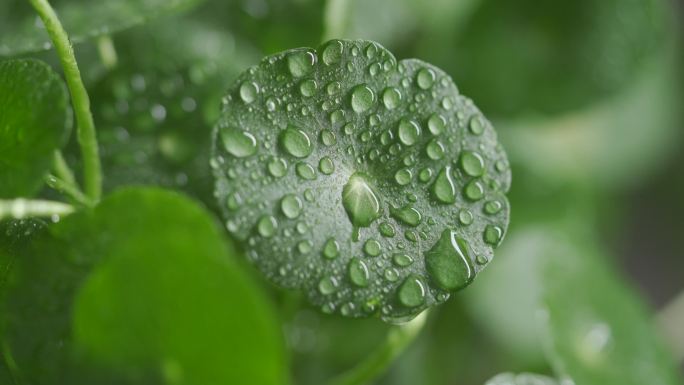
point(21, 208)
point(335, 19)
point(107, 51)
point(92, 172)
point(398, 338)
point(62, 170)
point(671, 319)
point(70, 190)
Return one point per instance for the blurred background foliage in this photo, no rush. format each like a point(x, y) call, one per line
point(586, 97)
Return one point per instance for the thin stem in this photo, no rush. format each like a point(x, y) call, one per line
point(21, 208)
point(398, 338)
point(70, 190)
point(105, 46)
point(335, 19)
point(671, 319)
point(62, 169)
point(92, 172)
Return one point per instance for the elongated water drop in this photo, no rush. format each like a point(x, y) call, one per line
point(412, 292)
point(358, 272)
point(407, 214)
point(360, 201)
point(448, 262)
point(408, 132)
point(238, 143)
point(443, 188)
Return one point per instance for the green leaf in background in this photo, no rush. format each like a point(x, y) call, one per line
point(20, 32)
point(369, 183)
point(598, 330)
point(521, 379)
point(35, 121)
point(155, 110)
point(142, 289)
point(564, 57)
point(584, 86)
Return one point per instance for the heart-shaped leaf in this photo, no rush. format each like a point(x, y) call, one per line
point(34, 121)
point(140, 290)
point(20, 32)
point(370, 184)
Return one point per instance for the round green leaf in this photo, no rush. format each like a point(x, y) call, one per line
point(140, 290)
point(343, 172)
point(35, 121)
point(20, 32)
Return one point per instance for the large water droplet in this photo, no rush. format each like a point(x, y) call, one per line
point(402, 259)
point(407, 214)
point(331, 249)
point(386, 230)
point(436, 124)
point(248, 91)
point(403, 177)
point(474, 190)
point(291, 206)
point(305, 171)
point(362, 98)
point(308, 88)
point(295, 142)
point(443, 188)
point(326, 165)
point(277, 167)
point(332, 53)
point(412, 292)
point(360, 201)
point(435, 150)
point(493, 235)
point(238, 143)
point(472, 163)
point(267, 226)
point(448, 262)
point(425, 78)
point(300, 63)
point(391, 97)
point(476, 126)
point(408, 132)
point(372, 248)
point(328, 138)
point(358, 272)
point(327, 285)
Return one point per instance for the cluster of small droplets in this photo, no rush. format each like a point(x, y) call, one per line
point(371, 184)
point(152, 129)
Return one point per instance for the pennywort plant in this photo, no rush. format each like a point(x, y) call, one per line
point(368, 185)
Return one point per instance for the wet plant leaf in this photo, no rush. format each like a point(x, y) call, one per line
point(371, 184)
point(598, 331)
point(137, 291)
point(35, 121)
point(21, 31)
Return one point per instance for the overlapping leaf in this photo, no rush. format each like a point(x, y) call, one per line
point(137, 291)
point(34, 121)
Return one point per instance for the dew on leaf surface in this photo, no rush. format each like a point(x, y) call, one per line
point(390, 205)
